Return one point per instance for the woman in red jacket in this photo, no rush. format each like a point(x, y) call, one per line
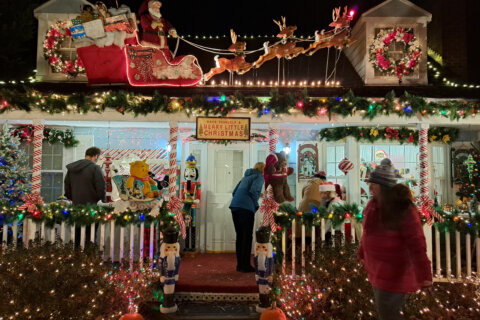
point(393, 247)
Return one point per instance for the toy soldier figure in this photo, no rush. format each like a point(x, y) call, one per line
point(190, 193)
point(263, 261)
point(169, 265)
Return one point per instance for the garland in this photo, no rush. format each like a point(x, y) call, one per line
point(382, 61)
point(340, 213)
point(254, 137)
point(401, 135)
point(84, 215)
point(128, 102)
point(57, 33)
point(67, 138)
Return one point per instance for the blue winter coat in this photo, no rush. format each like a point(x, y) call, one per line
point(248, 190)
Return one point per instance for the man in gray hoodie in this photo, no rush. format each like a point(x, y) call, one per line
point(84, 182)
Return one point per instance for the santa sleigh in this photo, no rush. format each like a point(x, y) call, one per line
point(137, 65)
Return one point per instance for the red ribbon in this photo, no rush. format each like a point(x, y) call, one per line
point(31, 201)
point(175, 205)
point(268, 207)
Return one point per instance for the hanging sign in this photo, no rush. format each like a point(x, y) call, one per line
point(223, 128)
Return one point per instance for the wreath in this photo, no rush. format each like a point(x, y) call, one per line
point(383, 62)
point(26, 133)
point(55, 35)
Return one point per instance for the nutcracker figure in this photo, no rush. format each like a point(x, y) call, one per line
point(169, 265)
point(190, 193)
point(109, 172)
point(263, 261)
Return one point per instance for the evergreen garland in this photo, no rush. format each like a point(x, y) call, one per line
point(67, 138)
point(277, 104)
point(85, 215)
point(401, 135)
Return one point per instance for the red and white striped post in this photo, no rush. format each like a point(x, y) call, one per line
point(29, 226)
point(175, 204)
point(272, 140)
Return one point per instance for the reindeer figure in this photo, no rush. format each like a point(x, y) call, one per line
point(286, 49)
point(338, 37)
point(340, 22)
point(237, 64)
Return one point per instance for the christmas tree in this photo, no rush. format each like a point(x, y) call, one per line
point(14, 176)
point(470, 186)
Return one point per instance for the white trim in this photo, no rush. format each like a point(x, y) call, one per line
point(406, 2)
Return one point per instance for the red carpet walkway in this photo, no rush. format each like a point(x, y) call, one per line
point(214, 273)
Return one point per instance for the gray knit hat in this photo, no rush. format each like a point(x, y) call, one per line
point(383, 174)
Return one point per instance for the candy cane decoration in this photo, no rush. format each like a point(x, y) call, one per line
point(37, 156)
point(172, 182)
point(268, 207)
point(426, 204)
point(272, 141)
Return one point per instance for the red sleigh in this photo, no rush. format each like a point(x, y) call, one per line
point(138, 65)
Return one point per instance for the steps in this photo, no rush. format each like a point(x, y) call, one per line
point(204, 311)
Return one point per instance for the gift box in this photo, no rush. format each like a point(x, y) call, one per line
point(94, 29)
point(78, 32)
point(116, 19)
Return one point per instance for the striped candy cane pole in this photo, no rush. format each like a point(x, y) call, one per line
point(172, 182)
point(37, 155)
point(425, 201)
point(272, 141)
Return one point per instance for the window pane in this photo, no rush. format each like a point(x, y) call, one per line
point(330, 154)
point(57, 162)
point(47, 181)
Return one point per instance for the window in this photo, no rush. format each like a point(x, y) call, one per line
point(439, 173)
point(396, 52)
point(335, 154)
point(52, 170)
point(404, 158)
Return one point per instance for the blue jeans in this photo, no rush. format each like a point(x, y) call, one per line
point(388, 304)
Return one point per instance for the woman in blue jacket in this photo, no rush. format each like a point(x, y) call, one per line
point(244, 205)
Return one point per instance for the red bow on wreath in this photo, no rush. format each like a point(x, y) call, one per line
point(31, 201)
point(175, 205)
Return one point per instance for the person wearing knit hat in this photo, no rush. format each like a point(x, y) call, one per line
point(383, 174)
point(391, 224)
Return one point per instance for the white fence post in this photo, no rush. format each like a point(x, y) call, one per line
point(458, 253)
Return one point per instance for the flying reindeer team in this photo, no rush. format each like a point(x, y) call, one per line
point(339, 37)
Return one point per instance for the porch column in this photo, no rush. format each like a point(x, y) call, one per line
point(425, 201)
point(29, 227)
point(172, 181)
point(272, 138)
point(352, 152)
point(175, 204)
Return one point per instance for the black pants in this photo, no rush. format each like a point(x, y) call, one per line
point(243, 221)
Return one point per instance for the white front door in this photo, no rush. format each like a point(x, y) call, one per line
point(226, 165)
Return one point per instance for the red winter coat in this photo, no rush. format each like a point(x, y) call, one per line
point(396, 261)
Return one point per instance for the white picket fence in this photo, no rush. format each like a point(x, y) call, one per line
point(127, 243)
point(442, 248)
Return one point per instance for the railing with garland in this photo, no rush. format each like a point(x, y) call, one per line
point(59, 220)
point(291, 249)
point(451, 260)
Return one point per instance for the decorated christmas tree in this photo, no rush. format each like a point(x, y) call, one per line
point(470, 186)
point(14, 176)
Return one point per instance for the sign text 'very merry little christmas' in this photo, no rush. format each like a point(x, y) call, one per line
point(223, 128)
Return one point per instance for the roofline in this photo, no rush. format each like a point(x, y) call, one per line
point(408, 3)
point(35, 11)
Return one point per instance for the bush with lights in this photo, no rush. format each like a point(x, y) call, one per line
point(335, 286)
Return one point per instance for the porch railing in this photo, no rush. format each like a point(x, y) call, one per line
point(451, 255)
point(454, 256)
point(117, 243)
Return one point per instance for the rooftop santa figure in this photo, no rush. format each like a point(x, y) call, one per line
point(155, 27)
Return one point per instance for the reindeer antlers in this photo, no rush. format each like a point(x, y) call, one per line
point(234, 36)
point(284, 20)
point(336, 14)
